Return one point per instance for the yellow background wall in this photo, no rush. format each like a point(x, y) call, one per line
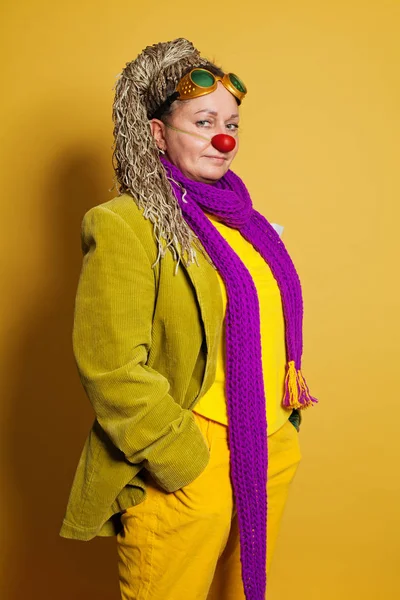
point(319, 153)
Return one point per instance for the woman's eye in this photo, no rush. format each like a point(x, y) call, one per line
point(206, 123)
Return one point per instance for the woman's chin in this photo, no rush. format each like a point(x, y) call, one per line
point(213, 172)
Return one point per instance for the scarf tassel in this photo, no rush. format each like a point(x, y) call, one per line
point(297, 394)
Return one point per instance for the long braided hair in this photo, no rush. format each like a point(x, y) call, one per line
point(142, 87)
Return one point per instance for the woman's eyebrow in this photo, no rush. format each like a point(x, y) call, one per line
point(214, 113)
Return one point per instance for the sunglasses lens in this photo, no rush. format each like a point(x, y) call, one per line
point(202, 78)
point(237, 83)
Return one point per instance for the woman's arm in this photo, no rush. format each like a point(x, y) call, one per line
point(111, 340)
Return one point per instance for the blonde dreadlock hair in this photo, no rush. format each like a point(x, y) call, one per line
point(144, 85)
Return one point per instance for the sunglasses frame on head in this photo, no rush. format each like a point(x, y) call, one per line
point(200, 81)
point(188, 88)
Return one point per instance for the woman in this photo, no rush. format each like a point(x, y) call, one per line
point(188, 341)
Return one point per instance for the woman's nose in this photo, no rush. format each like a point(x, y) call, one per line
point(223, 142)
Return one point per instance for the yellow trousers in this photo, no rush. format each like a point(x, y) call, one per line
point(184, 545)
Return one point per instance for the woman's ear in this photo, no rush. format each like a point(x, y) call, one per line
point(158, 132)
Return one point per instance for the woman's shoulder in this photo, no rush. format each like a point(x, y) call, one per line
point(113, 217)
point(126, 207)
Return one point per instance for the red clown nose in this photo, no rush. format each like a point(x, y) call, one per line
point(223, 142)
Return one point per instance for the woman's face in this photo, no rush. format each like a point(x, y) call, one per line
point(207, 116)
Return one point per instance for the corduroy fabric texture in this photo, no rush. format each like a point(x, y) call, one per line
point(230, 201)
point(145, 343)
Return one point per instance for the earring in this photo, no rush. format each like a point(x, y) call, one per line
point(161, 151)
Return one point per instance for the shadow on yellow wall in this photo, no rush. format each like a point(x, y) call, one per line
point(48, 414)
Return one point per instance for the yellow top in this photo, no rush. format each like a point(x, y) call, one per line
point(213, 404)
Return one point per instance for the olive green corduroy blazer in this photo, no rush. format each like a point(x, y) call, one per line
point(145, 342)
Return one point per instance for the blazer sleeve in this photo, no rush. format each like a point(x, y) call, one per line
point(112, 335)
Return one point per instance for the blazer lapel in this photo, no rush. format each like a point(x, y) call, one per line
point(208, 291)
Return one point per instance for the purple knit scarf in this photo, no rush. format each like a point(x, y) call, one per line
point(229, 200)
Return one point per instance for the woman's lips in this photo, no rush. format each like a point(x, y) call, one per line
point(219, 158)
